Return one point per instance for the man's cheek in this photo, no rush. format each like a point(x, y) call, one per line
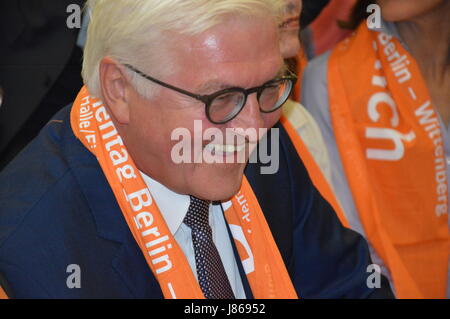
point(181, 147)
point(272, 118)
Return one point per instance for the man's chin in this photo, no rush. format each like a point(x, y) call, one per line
point(219, 189)
point(219, 195)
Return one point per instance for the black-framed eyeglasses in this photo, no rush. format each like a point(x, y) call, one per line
point(224, 105)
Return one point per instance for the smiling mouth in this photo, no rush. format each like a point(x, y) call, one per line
point(227, 149)
point(290, 23)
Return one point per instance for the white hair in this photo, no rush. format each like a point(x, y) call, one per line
point(131, 31)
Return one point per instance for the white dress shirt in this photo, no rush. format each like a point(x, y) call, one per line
point(174, 208)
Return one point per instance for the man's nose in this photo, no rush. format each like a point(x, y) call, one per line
point(250, 116)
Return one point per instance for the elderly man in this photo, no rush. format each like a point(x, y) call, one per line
point(99, 205)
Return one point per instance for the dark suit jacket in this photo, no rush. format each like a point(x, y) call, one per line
point(37, 52)
point(57, 209)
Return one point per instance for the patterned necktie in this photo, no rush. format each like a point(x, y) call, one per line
point(210, 271)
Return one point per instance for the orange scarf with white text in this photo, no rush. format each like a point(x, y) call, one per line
point(389, 139)
point(3, 294)
point(262, 262)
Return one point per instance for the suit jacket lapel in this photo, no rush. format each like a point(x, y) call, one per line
point(111, 225)
point(277, 206)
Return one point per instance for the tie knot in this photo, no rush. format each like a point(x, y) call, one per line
point(197, 216)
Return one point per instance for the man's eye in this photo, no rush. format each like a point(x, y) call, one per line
point(271, 88)
point(226, 97)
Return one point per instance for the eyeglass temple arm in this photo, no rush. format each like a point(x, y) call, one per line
point(145, 76)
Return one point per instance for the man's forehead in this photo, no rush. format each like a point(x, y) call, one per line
point(218, 55)
point(233, 35)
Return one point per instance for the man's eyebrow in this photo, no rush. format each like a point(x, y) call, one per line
point(212, 86)
point(217, 84)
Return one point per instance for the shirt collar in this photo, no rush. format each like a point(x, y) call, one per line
point(173, 206)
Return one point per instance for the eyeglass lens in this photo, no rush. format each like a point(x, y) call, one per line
point(225, 106)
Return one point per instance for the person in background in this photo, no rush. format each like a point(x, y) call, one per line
point(320, 30)
point(298, 60)
point(325, 32)
point(305, 125)
point(41, 56)
point(382, 101)
point(102, 188)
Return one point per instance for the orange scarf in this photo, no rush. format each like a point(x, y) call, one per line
point(389, 139)
point(3, 294)
point(266, 272)
point(313, 169)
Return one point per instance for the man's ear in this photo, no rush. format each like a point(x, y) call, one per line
point(114, 88)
